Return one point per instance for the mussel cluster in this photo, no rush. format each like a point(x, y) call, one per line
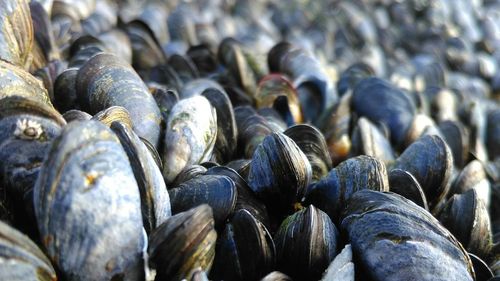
point(249, 140)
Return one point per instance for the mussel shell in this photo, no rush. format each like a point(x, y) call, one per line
point(231, 55)
point(204, 58)
point(27, 128)
point(245, 250)
point(188, 173)
point(219, 192)
point(227, 133)
point(114, 114)
point(246, 199)
point(473, 176)
point(87, 205)
point(241, 166)
point(276, 276)
point(466, 216)
point(155, 202)
point(457, 138)
point(21, 258)
point(165, 99)
point(16, 32)
point(335, 123)
point(106, 80)
point(190, 135)
point(332, 192)
point(394, 239)
point(252, 129)
point(44, 47)
point(16, 81)
point(306, 243)
point(341, 268)
point(430, 161)
point(185, 69)
point(483, 272)
point(183, 243)
point(406, 185)
point(312, 142)
point(76, 115)
point(352, 76)
point(197, 86)
point(146, 52)
point(367, 139)
point(274, 86)
point(380, 101)
point(279, 172)
point(65, 97)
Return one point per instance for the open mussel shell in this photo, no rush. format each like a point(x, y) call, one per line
point(367, 139)
point(275, 86)
point(88, 207)
point(190, 135)
point(466, 216)
point(245, 250)
point(279, 172)
point(406, 185)
point(314, 88)
point(218, 191)
point(246, 198)
point(382, 102)
point(21, 258)
point(335, 124)
point(227, 133)
point(155, 202)
point(341, 268)
point(332, 191)
point(394, 239)
point(481, 269)
point(183, 243)
point(16, 81)
point(429, 160)
point(306, 243)
point(473, 176)
point(16, 31)
point(106, 80)
point(311, 141)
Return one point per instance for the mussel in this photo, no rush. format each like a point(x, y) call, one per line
point(394, 239)
point(88, 207)
point(279, 172)
point(191, 133)
point(306, 243)
point(183, 243)
point(21, 257)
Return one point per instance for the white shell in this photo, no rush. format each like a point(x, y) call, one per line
point(190, 135)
